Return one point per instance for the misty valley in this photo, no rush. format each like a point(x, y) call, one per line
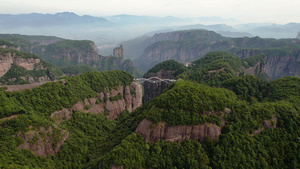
point(101, 92)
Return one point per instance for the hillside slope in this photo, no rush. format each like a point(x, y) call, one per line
point(47, 120)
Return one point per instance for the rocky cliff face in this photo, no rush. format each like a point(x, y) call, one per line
point(183, 46)
point(43, 141)
point(131, 99)
point(298, 36)
point(177, 133)
point(152, 90)
point(8, 58)
point(184, 35)
point(267, 124)
point(277, 66)
point(179, 51)
point(74, 52)
point(119, 54)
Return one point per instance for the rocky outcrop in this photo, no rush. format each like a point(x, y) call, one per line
point(119, 54)
point(179, 51)
point(177, 133)
point(152, 90)
point(61, 115)
point(267, 124)
point(276, 65)
point(298, 36)
point(43, 142)
point(284, 65)
point(131, 99)
point(9, 58)
point(258, 68)
point(24, 68)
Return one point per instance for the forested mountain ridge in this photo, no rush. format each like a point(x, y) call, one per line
point(256, 125)
point(28, 43)
point(69, 53)
point(212, 69)
point(282, 56)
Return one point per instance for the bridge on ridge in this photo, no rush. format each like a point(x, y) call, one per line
point(154, 80)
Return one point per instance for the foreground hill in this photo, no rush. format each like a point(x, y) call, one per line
point(33, 123)
point(196, 126)
point(248, 123)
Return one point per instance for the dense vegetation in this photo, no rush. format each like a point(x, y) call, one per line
point(95, 141)
point(8, 44)
point(166, 65)
point(28, 42)
point(216, 67)
point(78, 69)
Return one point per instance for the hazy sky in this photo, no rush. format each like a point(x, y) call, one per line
point(277, 11)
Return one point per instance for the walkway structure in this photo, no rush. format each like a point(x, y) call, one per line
point(155, 80)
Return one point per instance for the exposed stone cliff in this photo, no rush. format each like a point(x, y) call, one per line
point(277, 66)
point(43, 142)
point(267, 124)
point(30, 63)
point(152, 90)
point(119, 54)
point(131, 98)
point(184, 35)
point(67, 51)
point(177, 133)
point(298, 36)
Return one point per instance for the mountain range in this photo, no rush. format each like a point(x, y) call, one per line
point(108, 31)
